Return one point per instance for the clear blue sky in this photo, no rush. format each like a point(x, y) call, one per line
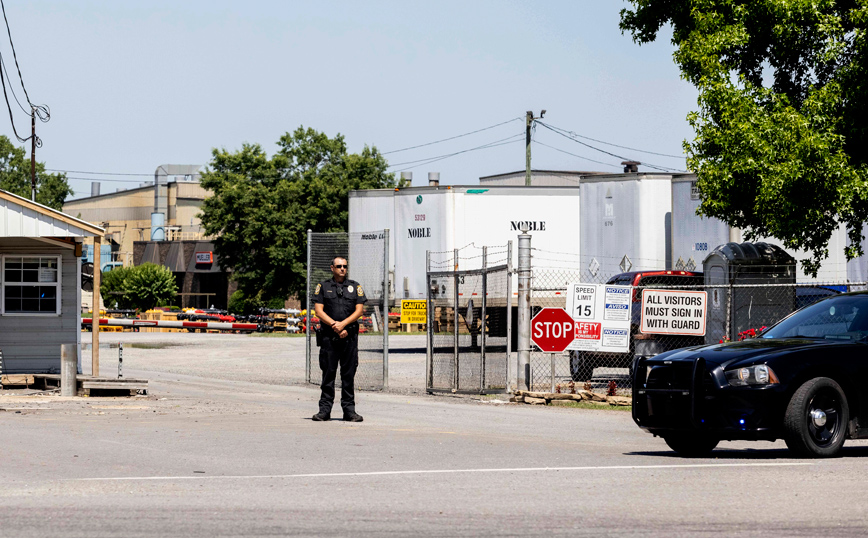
point(133, 85)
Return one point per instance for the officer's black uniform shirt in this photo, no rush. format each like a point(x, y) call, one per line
point(339, 300)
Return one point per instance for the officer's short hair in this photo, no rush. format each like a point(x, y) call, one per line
point(340, 258)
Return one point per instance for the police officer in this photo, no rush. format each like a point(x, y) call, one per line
point(339, 303)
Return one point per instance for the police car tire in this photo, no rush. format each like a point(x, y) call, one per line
point(808, 440)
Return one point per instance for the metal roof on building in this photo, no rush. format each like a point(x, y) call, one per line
point(20, 217)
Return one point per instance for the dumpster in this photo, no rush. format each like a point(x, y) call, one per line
point(743, 281)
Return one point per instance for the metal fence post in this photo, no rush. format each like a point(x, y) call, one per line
point(509, 315)
point(524, 271)
point(553, 372)
point(455, 361)
point(482, 319)
point(120, 360)
point(386, 309)
point(429, 325)
point(308, 323)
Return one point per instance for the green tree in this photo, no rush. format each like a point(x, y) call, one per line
point(239, 303)
point(149, 285)
point(262, 207)
point(782, 124)
point(113, 288)
point(51, 189)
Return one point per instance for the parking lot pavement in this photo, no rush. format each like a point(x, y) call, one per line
point(272, 360)
point(211, 456)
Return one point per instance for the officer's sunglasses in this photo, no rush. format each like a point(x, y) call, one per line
point(339, 266)
point(340, 292)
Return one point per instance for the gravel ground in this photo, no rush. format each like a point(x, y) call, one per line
point(273, 360)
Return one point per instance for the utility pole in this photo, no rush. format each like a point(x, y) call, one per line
point(528, 124)
point(32, 155)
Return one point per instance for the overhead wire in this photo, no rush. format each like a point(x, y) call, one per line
point(41, 111)
point(428, 160)
point(574, 134)
point(575, 154)
point(563, 133)
point(451, 137)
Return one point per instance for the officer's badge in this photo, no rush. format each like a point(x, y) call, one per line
point(350, 289)
point(361, 293)
point(318, 287)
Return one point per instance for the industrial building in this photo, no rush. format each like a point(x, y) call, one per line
point(127, 214)
point(158, 222)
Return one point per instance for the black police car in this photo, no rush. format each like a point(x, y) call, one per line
point(804, 380)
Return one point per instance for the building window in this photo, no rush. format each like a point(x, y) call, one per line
point(31, 285)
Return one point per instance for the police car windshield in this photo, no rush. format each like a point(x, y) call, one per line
point(837, 318)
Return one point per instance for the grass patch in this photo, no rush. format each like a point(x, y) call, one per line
point(586, 405)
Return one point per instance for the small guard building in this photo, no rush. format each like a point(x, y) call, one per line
point(40, 284)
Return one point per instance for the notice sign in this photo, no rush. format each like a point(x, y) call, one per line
point(674, 312)
point(204, 257)
point(618, 302)
point(602, 316)
point(414, 311)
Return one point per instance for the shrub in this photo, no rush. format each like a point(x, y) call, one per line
point(150, 285)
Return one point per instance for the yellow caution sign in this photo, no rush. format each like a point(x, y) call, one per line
point(414, 311)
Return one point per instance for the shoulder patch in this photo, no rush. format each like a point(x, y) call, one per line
point(361, 293)
point(318, 287)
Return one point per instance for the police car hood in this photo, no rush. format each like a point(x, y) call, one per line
point(754, 349)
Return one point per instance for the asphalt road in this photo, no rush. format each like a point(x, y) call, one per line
point(208, 456)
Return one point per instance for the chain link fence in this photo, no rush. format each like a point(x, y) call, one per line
point(366, 254)
point(468, 320)
point(731, 312)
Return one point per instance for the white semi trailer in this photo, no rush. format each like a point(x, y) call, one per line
point(694, 237)
point(443, 218)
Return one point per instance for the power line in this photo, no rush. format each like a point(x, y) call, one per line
point(107, 179)
point(96, 173)
point(573, 134)
point(576, 155)
point(428, 160)
point(41, 111)
point(450, 138)
point(558, 131)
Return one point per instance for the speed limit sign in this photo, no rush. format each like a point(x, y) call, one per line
point(582, 300)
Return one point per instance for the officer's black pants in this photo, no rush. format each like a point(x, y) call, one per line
point(336, 351)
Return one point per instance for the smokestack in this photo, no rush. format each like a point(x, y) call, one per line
point(94, 188)
point(433, 179)
point(631, 167)
point(408, 176)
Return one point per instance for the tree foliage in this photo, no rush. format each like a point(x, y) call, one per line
point(781, 145)
point(51, 189)
point(239, 303)
point(142, 287)
point(261, 207)
point(112, 287)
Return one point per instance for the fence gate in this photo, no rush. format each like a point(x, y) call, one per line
point(469, 321)
point(367, 256)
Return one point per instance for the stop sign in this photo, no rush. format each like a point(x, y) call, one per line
point(552, 329)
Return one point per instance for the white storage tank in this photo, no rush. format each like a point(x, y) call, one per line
point(625, 224)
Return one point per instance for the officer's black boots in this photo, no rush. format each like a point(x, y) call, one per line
point(352, 416)
point(321, 417)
